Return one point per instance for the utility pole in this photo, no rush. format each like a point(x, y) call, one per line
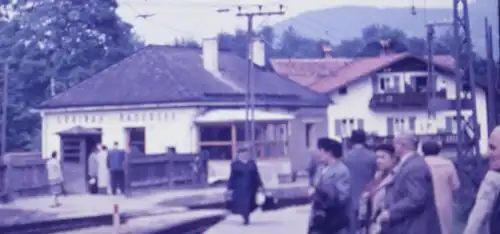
point(431, 81)
point(434, 103)
point(468, 129)
point(5, 103)
point(491, 88)
point(250, 90)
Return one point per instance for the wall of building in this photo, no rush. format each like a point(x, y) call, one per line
point(355, 105)
point(173, 127)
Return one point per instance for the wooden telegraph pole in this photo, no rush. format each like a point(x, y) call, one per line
point(250, 90)
point(5, 104)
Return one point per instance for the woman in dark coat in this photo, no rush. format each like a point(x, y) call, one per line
point(243, 185)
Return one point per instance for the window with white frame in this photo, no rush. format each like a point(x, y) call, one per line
point(400, 125)
point(385, 82)
point(345, 126)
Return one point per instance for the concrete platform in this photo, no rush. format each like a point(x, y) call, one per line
point(289, 220)
point(99, 208)
point(180, 223)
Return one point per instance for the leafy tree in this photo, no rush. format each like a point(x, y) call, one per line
point(66, 40)
point(186, 43)
point(293, 45)
point(368, 44)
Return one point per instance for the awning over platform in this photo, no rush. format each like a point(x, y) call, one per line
point(239, 115)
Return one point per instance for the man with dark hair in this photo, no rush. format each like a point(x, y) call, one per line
point(445, 181)
point(116, 165)
point(331, 193)
point(362, 163)
point(431, 148)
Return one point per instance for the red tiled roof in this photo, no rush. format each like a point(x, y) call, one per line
point(354, 70)
point(308, 71)
point(324, 75)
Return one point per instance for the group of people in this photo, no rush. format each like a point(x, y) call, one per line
point(393, 189)
point(396, 188)
point(105, 171)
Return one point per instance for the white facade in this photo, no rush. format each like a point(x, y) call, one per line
point(354, 105)
point(164, 127)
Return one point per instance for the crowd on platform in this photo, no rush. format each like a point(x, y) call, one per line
point(405, 187)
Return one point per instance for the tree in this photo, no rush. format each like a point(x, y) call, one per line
point(186, 43)
point(368, 44)
point(293, 45)
point(64, 40)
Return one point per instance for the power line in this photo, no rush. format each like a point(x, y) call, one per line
point(250, 90)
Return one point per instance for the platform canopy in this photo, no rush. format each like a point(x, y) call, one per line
point(239, 115)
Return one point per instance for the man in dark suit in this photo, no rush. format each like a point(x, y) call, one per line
point(116, 166)
point(410, 207)
point(362, 164)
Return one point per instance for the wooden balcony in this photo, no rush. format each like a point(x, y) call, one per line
point(446, 139)
point(414, 100)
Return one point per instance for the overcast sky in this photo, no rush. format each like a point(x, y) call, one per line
point(196, 19)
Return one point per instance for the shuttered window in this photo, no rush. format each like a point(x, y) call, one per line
point(390, 126)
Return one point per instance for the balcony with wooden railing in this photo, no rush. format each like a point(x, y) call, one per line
point(414, 100)
point(446, 139)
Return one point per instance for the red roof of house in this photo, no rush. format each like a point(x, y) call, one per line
point(308, 71)
point(325, 75)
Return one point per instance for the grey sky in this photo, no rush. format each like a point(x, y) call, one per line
point(196, 19)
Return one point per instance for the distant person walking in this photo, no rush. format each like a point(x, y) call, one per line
point(410, 207)
point(243, 185)
point(332, 191)
point(92, 170)
point(485, 216)
point(445, 181)
point(373, 199)
point(116, 165)
point(103, 172)
point(362, 164)
point(55, 177)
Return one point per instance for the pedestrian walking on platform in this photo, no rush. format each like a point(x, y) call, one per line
point(445, 181)
point(410, 206)
point(332, 191)
point(116, 165)
point(485, 216)
point(92, 170)
point(362, 164)
point(373, 198)
point(243, 185)
point(55, 178)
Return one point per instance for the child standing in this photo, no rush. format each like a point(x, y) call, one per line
point(55, 178)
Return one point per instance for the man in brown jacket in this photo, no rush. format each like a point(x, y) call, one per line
point(445, 181)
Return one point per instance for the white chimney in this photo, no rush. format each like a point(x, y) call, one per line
point(259, 53)
point(210, 49)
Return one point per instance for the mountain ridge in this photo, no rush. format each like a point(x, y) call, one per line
point(325, 23)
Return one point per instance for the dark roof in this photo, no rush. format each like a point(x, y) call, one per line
point(165, 74)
